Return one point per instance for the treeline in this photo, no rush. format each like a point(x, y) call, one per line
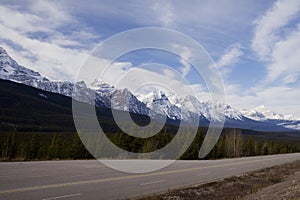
point(48, 146)
point(42, 146)
point(232, 144)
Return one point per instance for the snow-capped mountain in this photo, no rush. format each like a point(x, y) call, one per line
point(261, 113)
point(104, 93)
point(10, 70)
point(259, 118)
point(160, 103)
point(205, 111)
point(212, 110)
point(152, 104)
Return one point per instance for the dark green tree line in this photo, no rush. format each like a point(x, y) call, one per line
point(47, 146)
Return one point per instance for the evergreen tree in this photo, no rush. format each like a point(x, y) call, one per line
point(55, 147)
point(258, 148)
point(192, 153)
point(33, 147)
point(41, 155)
point(220, 148)
point(9, 149)
point(250, 148)
point(234, 143)
point(78, 150)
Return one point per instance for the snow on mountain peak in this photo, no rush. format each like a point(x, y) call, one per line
point(156, 101)
point(11, 70)
point(2, 50)
point(171, 105)
point(262, 113)
point(261, 107)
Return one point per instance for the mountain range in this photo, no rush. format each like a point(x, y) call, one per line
point(154, 103)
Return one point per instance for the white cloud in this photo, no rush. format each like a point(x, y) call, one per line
point(33, 37)
point(276, 41)
point(55, 14)
point(241, 101)
point(50, 59)
point(139, 79)
point(100, 69)
point(267, 27)
point(229, 58)
point(185, 55)
point(36, 16)
point(225, 66)
point(285, 62)
point(34, 33)
point(164, 10)
point(280, 99)
point(155, 76)
point(22, 22)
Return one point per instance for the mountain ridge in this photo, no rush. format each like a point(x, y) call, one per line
point(151, 104)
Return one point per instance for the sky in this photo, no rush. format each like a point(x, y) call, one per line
point(255, 44)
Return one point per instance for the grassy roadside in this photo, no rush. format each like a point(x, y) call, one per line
point(278, 182)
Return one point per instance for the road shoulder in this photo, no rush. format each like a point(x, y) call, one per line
point(278, 182)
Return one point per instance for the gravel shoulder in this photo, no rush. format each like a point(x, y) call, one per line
point(274, 183)
point(288, 188)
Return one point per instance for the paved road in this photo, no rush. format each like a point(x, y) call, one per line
point(51, 180)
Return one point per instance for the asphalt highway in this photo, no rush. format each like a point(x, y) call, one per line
point(81, 179)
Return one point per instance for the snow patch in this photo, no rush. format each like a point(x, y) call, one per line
point(43, 95)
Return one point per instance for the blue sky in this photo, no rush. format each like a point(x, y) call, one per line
point(255, 44)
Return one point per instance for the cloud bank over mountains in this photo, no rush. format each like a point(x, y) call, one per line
point(255, 46)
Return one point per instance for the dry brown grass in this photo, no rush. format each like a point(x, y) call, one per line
point(233, 188)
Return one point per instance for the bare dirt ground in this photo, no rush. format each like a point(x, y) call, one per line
point(275, 183)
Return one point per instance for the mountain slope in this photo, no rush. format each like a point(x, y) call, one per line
point(206, 111)
point(11, 70)
point(152, 104)
point(24, 108)
point(263, 114)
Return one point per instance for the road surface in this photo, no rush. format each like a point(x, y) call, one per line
point(51, 180)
